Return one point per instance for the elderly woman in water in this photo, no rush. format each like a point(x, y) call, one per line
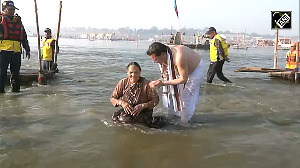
point(135, 97)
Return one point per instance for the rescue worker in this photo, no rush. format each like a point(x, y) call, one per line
point(291, 58)
point(48, 51)
point(12, 35)
point(218, 55)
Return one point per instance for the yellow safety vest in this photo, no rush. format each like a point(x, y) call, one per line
point(10, 45)
point(213, 49)
point(47, 49)
point(291, 59)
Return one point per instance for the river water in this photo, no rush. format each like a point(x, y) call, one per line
point(254, 122)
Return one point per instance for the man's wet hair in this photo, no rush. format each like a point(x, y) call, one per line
point(134, 63)
point(157, 48)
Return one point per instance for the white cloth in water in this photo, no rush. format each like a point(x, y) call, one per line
point(168, 95)
point(188, 93)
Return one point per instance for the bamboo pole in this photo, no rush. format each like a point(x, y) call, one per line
point(297, 61)
point(38, 35)
point(41, 79)
point(276, 50)
point(57, 34)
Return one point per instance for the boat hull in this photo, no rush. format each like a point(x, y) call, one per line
point(197, 46)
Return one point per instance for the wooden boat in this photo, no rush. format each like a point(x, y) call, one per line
point(287, 75)
point(239, 47)
point(258, 69)
point(177, 40)
point(27, 76)
point(197, 46)
point(278, 73)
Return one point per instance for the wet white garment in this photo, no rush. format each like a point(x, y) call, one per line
point(188, 94)
point(168, 95)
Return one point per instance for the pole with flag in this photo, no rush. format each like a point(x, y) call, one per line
point(176, 9)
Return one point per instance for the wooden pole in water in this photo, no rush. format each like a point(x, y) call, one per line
point(38, 34)
point(276, 50)
point(57, 33)
point(41, 76)
point(297, 61)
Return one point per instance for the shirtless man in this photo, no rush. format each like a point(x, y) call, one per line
point(188, 66)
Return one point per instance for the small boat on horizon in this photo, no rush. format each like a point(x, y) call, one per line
point(239, 47)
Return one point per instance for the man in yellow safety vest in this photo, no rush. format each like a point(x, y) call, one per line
point(48, 51)
point(12, 35)
point(291, 57)
point(218, 55)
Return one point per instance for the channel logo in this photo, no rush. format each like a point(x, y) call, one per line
point(281, 19)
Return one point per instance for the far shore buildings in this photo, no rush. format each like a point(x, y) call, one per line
point(260, 41)
point(100, 36)
point(232, 39)
point(284, 43)
point(105, 36)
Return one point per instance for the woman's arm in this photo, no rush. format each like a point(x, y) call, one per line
point(116, 100)
point(117, 94)
point(152, 98)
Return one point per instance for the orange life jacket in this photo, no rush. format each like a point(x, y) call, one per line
point(291, 60)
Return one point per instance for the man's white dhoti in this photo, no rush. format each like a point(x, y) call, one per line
point(189, 95)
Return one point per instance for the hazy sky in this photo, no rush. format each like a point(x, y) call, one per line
point(254, 16)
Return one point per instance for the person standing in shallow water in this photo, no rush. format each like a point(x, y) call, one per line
point(182, 70)
point(135, 97)
point(291, 58)
point(48, 51)
point(12, 35)
point(218, 55)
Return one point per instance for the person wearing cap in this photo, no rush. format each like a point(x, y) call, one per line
point(48, 51)
point(12, 34)
point(290, 63)
point(218, 55)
